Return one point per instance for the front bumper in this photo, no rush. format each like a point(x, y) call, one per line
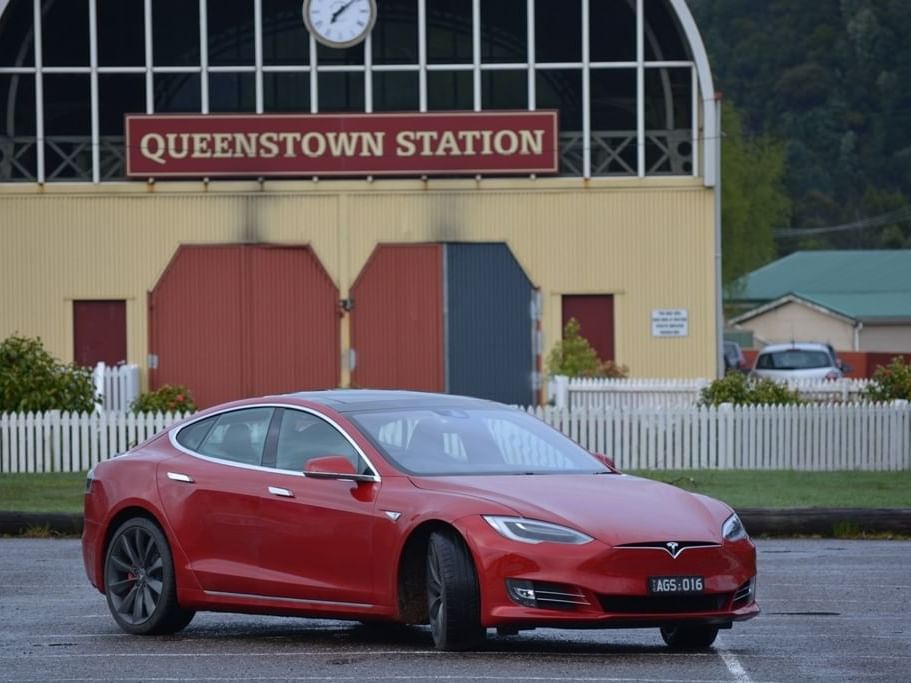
point(596, 585)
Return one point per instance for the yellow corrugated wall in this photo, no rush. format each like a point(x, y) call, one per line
point(649, 242)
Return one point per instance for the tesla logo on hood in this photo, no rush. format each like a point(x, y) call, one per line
point(672, 548)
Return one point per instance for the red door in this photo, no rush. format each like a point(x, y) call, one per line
point(595, 313)
point(230, 321)
point(397, 319)
point(99, 332)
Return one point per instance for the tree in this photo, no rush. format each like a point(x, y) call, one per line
point(574, 356)
point(33, 380)
point(753, 198)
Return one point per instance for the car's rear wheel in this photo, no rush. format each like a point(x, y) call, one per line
point(453, 598)
point(689, 636)
point(139, 580)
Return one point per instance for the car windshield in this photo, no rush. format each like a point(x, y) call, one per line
point(794, 359)
point(474, 441)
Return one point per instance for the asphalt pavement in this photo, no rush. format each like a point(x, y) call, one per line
point(832, 611)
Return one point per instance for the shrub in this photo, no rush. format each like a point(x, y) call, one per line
point(739, 389)
point(171, 398)
point(574, 356)
point(891, 382)
point(31, 379)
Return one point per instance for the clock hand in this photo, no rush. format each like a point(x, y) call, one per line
point(341, 9)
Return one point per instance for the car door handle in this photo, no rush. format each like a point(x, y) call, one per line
point(278, 491)
point(180, 476)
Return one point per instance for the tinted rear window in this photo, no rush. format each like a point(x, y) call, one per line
point(793, 359)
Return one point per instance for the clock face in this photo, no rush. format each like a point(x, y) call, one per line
point(339, 23)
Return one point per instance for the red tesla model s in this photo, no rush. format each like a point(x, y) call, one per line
point(405, 507)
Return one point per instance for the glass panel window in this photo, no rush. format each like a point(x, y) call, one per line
point(118, 94)
point(395, 35)
point(175, 32)
point(67, 127)
point(239, 436)
point(395, 91)
point(230, 33)
point(558, 30)
point(177, 93)
point(561, 89)
point(450, 90)
point(17, 46)
point(65, 33)
point(449, 31)
point(18, 151)
point(349, 56)
point(504, 90)
point(121, 33)
point(504, 31)
point(232, 92)
point(612, 31)
point(285, 38)
point(669, 121)
point(664, 38)
point(303, 436)
point(286, 92)
point(341, 92)
point(613, 122)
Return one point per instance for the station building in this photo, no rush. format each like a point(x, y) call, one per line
point(252, 196)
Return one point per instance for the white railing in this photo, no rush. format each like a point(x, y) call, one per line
point(598, 394)
point(118, 386)
point(71, 442)
point(812, 437)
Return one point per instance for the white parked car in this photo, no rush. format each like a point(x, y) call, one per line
point(798, 360)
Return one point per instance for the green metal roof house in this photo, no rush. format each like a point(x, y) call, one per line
point(855, 300)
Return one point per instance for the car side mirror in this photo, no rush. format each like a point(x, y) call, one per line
point(334, 467)
point(607, 461)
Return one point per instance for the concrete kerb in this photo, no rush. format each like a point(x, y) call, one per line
point(758, 521)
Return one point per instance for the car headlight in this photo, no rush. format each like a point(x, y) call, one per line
point(533, 531)
point(733, 529)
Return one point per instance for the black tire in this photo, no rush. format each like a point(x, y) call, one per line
point(139, 580)
point(689, 636)
point(453, 597)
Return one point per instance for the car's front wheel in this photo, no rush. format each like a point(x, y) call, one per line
point(139, 580)
point(689, 636)
point(453, 598)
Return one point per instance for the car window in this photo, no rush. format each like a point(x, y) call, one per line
point(472, 442)
point(793, 359)
point(192, 435)
point(303, 436)
point(238, 436)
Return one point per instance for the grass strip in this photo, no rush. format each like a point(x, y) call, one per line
point(791, 489)
point(63, 491)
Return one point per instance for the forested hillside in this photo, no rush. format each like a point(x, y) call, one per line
point(831, 81)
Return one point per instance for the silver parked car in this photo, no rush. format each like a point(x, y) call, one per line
point(798, 360)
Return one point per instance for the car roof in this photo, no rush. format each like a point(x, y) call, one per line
point(352, 400)
point(800, 346)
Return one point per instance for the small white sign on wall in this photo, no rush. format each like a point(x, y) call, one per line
point(670, 322)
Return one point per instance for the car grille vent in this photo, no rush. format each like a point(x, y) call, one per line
point(744, 594)
point(663, 604)
point(558, 596)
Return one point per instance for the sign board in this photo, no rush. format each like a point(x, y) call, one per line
point(670, 322)
point(289, 145)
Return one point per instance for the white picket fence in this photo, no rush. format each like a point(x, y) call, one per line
point(71, 442)
point(118, 386)
point(599, 394)
point(814, 437)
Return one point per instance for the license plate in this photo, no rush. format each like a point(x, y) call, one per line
point(676, 584)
